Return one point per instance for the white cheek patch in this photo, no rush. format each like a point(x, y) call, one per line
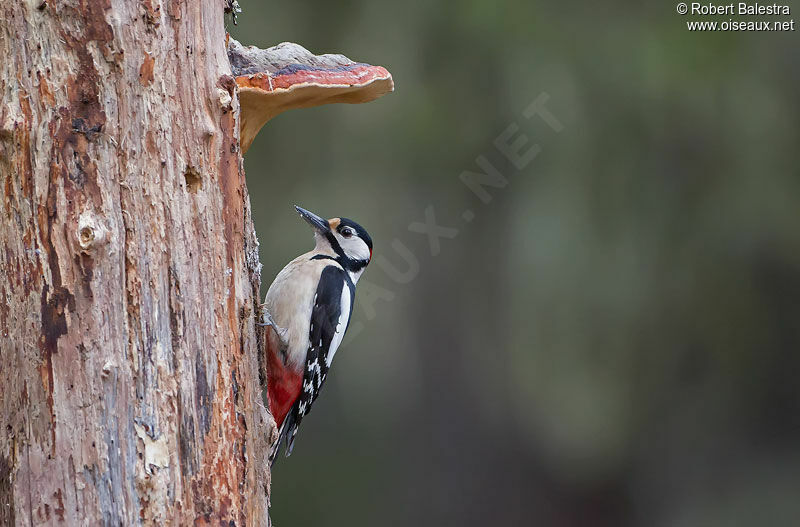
point(355, 248)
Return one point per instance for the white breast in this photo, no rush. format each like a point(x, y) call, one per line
point(290, 300)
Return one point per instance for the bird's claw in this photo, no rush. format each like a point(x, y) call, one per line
point(267, 320)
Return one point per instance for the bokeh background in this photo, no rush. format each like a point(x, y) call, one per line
point(613, 339)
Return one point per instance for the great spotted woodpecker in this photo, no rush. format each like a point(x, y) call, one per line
point(309, 306)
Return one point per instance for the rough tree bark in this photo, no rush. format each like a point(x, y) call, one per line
point(129, 272)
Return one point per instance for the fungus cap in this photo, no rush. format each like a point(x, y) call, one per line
point(288, 76)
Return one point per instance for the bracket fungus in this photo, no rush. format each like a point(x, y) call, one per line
point(288, 76)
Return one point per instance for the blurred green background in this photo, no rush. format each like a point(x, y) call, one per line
point(613, 339)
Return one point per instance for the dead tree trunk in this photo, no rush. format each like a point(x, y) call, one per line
point(129, 272)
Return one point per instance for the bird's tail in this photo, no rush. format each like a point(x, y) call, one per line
point(285, 437)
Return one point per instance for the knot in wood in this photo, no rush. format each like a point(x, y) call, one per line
point(90, 233)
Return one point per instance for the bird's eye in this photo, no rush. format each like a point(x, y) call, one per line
point(347, 232)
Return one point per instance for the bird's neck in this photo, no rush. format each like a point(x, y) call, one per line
point(324, 250)
point(354, 268)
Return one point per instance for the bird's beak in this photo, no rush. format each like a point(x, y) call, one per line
point(319, 224)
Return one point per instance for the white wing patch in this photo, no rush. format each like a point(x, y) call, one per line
point(344, 316)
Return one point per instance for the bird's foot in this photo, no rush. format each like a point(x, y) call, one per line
point(267, 320)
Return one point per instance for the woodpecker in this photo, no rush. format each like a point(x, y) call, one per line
point(309, 306)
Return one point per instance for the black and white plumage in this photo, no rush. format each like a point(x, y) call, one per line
point(309, 306)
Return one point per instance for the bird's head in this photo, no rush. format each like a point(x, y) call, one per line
point(341, 238)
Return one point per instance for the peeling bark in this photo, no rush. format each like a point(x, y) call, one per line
point(129, 271)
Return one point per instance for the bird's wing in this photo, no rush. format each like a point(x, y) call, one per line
point(333, 304)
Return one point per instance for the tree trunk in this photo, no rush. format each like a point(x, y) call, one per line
point(129, 271)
